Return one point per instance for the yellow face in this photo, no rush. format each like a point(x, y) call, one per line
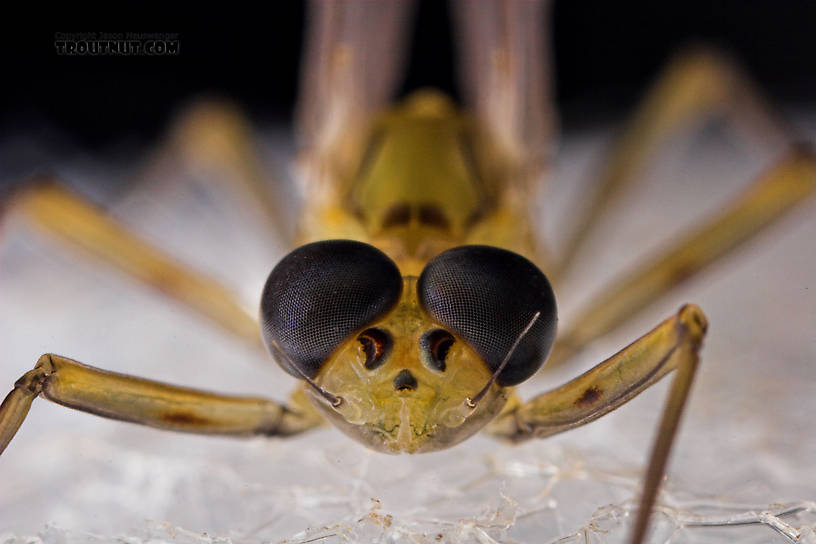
point(404, 382)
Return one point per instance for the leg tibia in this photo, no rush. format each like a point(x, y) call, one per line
point(15, 406)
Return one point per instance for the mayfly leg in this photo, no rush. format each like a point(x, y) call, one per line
point(695, 85)
point(773, 194)
point(216, 142)
point(147, 402)
point(65, 215)
point(673, 345)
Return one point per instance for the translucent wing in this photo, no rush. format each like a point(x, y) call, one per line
point(505, 73)
point(352, 61)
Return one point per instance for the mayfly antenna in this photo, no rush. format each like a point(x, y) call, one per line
point(334, 400)
point(471, 403)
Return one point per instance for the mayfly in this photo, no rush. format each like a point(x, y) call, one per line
point(416, 298)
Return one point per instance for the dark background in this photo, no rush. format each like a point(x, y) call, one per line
point(605, 53)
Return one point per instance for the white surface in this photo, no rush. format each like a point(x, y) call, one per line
point(747, 442)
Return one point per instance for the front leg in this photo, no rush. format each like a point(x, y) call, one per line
point(127, 398)
point(672, 345)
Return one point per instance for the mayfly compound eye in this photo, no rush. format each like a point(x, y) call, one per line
point(487, 296)
point(322, 293)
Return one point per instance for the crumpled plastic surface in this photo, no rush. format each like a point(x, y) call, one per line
point(741, 470)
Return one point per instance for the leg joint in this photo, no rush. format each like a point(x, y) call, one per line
point(33, 380)
point(694, 323)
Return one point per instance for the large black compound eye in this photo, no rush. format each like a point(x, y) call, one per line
point(487, 296)
point(321, 294)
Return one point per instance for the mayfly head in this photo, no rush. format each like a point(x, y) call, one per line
point(396, 362)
